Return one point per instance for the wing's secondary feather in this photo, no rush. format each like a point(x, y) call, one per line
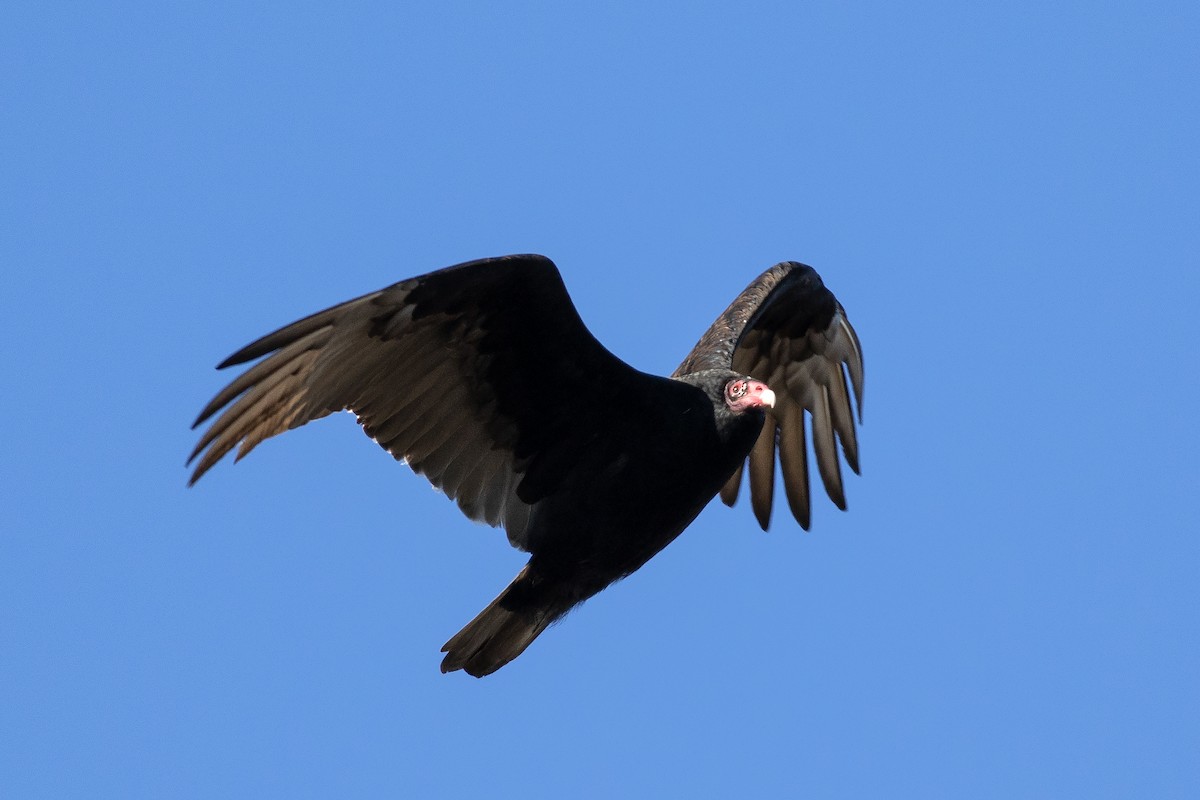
point(443, 371)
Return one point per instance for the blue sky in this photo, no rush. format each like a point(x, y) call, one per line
point(1005, 199)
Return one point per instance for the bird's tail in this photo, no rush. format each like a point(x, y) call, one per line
point(503, 630)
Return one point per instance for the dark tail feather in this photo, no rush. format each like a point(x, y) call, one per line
point(503, 630)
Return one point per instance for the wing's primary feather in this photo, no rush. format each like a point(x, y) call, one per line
point(481, 376)
point(788, 330)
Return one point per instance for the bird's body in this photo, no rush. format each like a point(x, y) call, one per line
point(600, 527)
point(483, 378)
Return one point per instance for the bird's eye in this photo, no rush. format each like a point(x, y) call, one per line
point(736, 389)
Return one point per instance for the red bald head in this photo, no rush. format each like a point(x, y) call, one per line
point(743, 394)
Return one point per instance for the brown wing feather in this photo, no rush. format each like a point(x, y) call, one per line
point(443, 371)
point(788, 330)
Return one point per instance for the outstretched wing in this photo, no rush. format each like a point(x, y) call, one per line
point(788, 330)
point(481, 376)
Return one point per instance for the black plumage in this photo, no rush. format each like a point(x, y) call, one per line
point(484, 379)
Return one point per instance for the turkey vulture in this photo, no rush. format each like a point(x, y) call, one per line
point(483, 378)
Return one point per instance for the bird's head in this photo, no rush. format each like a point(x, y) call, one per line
point(744, 394)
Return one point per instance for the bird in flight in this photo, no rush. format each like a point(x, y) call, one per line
point(483, 378)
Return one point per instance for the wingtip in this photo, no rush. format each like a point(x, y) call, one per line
point(835, 490)
point(196, 473)
point(206, 463)
point(763, 517)
point(233, 360)
point(214, 405)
